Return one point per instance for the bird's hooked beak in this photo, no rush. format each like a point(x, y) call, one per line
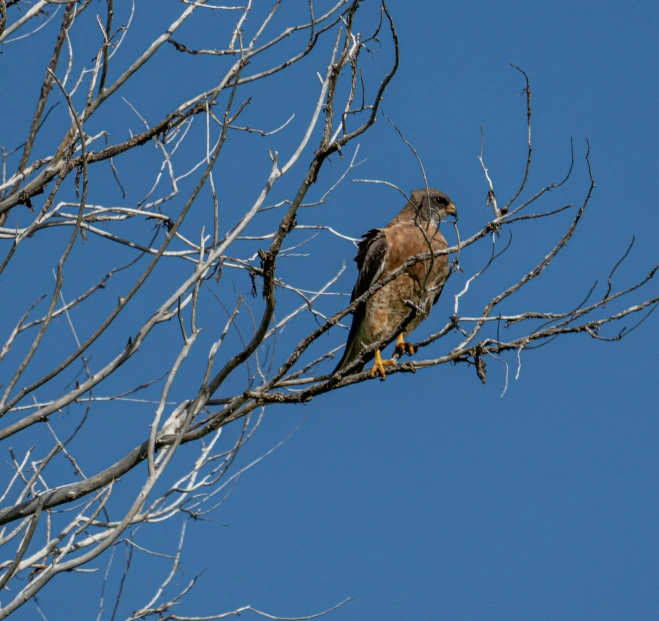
point(452, 211)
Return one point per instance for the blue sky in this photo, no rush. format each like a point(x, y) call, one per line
point(431, 496)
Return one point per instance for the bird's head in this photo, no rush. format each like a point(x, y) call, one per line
point(432, 205)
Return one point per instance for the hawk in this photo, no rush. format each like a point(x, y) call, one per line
point(415, 230)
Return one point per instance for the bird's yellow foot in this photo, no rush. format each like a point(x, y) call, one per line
point(403, 348)
point(378, 366)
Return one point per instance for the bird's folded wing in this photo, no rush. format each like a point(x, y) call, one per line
point(371, 260)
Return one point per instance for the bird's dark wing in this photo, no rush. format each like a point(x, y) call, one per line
point(371, 260)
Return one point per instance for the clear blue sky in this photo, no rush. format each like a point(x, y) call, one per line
point(430, 496)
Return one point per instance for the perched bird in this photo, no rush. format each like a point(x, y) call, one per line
point(415, 230)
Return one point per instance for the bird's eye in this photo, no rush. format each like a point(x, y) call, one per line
point(439, 200)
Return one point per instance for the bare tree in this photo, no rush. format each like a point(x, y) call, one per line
point(172, 225)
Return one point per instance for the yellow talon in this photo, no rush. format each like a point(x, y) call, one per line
point(402, 347)
point(378, 366)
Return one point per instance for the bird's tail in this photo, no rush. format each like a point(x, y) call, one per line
point(351, 353)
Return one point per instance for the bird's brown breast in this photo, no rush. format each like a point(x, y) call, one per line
point(417, 283)
point(407, 239)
